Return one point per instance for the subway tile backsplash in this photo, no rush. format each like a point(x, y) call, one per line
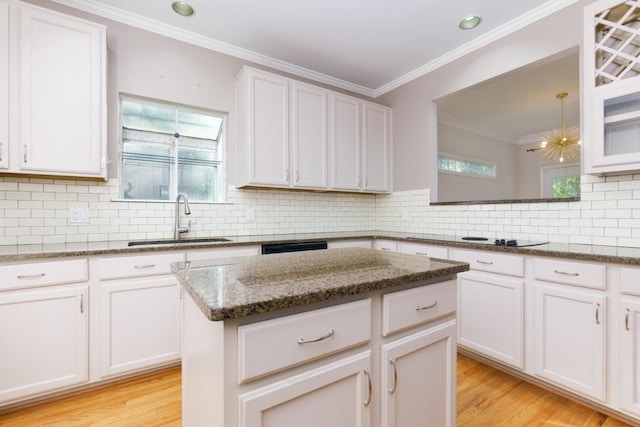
point(36, 211)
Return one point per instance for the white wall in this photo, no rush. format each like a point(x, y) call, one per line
point(411, 103)
point(468, 145)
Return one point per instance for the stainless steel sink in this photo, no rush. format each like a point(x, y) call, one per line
point(177, 242)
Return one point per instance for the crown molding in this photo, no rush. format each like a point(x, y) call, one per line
point(522, 21)
point(119, 15)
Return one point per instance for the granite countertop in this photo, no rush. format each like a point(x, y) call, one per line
point(610, 254)
point(237, 287)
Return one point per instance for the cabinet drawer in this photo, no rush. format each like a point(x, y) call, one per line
point(570, 273)
point(512, 265)
point(273, 345)
point(137, 266)
point(385, 245)
point(43, 273)
point(423, 250)
point(630, 281)
point(405, 309)
point(194, 255)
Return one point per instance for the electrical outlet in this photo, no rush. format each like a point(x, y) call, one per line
point(78, 216)
point(404, 214)
point(251, 214)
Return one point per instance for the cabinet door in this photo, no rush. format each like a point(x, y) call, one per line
point(337, 395)
point(345, 142)
point(630, 355)
point(569, 338)
point(611, 107)
point(616, 127)
point(419, 378)
point(139, 324)
point(376, 138)
point(4, 85)
point(43, 337)
point(61, 76)
point(309, 135)
point(490, 316)
point(268, 128)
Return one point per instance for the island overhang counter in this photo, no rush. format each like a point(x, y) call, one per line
point(341, 337)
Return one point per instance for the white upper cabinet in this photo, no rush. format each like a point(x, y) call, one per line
point(611, 82)
point(309, 135)
point(376, 145)
point(263, 129)
point(4, 85)
point(345, 142)
point(57, 75)
point(360, 145)
point(296, 135)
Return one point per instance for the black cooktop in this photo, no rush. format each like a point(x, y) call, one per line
point(480, 241)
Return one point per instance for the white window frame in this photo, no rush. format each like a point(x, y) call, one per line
point(221, 184)
point(468, 160)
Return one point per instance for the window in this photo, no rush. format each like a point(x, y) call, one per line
point(169, 149)
point(466, 167)
point(560, 181)
point(566, 187)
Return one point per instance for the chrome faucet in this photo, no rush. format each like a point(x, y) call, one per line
point(187, 211)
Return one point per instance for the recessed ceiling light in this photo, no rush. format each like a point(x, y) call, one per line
point(469, 22)
point(182, 8)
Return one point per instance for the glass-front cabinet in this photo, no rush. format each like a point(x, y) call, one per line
point(611, 87)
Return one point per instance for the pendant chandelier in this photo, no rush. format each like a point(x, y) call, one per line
point(561, 144)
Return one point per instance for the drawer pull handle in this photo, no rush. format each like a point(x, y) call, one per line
point(322, 338)
point(368, 401)
point(484, 262)
point(626, 319)
point(395, 377)
point(385, 249)
point(564, 273)
point(422, 253)
point(597, 313)
point(141, 267)
point(427, 307)
point(31, 276)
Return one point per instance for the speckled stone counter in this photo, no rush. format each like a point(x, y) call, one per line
point(609, 254)
point(236, 287)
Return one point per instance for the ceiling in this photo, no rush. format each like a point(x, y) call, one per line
point(368, 49)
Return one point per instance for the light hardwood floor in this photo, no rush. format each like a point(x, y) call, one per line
point(486, 397)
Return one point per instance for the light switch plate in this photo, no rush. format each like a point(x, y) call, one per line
point(78, 216)
point(404, 215)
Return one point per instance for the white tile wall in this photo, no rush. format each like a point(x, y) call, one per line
point(34, 210)
point(607, 214)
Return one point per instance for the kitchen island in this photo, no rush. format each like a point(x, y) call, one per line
point(343, 337)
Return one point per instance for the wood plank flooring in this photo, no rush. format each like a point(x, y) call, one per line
point(486, 397)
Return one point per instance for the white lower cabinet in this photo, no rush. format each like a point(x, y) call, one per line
point(630, 355)
point(418, 378)
point(43, 340)
point(490, 316)
point(337, 394)
point(569, 338)
point(327, 366)
point(139, 324)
